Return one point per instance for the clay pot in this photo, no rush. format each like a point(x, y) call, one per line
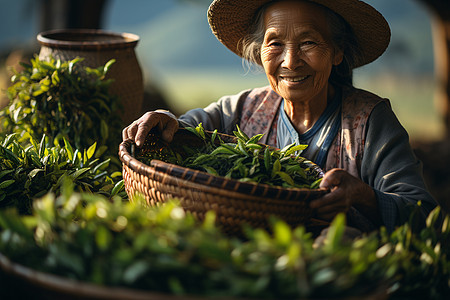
point(97, 47)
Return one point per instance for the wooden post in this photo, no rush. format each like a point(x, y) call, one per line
point(63, 14)
point(440, 11)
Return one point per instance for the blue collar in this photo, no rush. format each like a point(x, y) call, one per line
point(335, 103)
point(329, 110)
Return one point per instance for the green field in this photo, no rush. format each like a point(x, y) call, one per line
point(413, 101)
point(412, 98)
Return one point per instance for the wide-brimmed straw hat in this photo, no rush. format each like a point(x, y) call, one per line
point(230, 21)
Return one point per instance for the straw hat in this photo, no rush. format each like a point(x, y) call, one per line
point(230, 19)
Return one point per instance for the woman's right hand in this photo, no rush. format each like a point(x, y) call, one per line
point(139, 129)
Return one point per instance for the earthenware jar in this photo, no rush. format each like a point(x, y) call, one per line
point(97, 47)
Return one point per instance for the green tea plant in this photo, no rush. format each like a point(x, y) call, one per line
point(62, 99)
point(101, 240)
point(29, 171)
point(90, 238)
point(61, 121)
point(424, 251)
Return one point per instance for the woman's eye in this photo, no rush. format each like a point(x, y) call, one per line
point(307, 45)
point(274, 44)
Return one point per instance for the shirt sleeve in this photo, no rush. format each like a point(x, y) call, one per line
point(222, 115)
point(391, 168)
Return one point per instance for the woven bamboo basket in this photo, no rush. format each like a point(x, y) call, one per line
point(234, 202)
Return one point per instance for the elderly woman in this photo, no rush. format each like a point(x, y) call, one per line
point(308, 50)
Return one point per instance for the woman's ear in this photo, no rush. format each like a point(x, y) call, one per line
point(338, 57)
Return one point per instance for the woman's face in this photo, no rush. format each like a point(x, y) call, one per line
point(297, 53)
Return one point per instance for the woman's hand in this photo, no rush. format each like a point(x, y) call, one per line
point(139, 129)
point(346, 191)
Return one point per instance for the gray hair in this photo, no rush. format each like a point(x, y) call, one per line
point(342, 37)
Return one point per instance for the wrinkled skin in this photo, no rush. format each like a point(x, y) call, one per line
point(297, 55)
point(137, 131)
point(346, 191)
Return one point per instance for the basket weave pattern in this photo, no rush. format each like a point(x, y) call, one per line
point(234, 202)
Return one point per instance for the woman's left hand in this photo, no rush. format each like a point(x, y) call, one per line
point(346, 191)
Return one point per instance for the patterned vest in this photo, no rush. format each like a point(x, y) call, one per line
point(260, 115)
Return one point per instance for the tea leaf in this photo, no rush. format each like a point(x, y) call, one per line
point(117, 187)
point(335, 232)
point(91, 150)
point(4, 184)
point(69, 149)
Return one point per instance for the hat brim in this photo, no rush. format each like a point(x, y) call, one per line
point(230, 20)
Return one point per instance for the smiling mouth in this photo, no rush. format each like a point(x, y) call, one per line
point(294, 79)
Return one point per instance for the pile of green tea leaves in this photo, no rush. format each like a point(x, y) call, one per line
point(245, 160)
point(94, 239)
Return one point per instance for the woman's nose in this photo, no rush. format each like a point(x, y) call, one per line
point(292, 58)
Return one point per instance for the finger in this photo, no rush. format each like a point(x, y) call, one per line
point(169, 130)
point(329, 212)
point(329, 209)
point(144, 124)
point(129, 132)
point(325, 200)
point(125, 135)
point(142, 131)
point(330, 181)
point(332, 178)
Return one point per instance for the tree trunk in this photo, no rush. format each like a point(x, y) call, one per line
point(436, 156)
point(64, 14)
point(441, 38)
point(440, 10)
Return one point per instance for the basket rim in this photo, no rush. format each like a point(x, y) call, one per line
point(77, 39)
point(206, 179)
point(166, 183)
point(61, 285)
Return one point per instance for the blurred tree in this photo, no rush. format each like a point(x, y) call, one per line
point(61, 14)
point(440, 10)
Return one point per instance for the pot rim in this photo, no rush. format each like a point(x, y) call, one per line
point(87, 39)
